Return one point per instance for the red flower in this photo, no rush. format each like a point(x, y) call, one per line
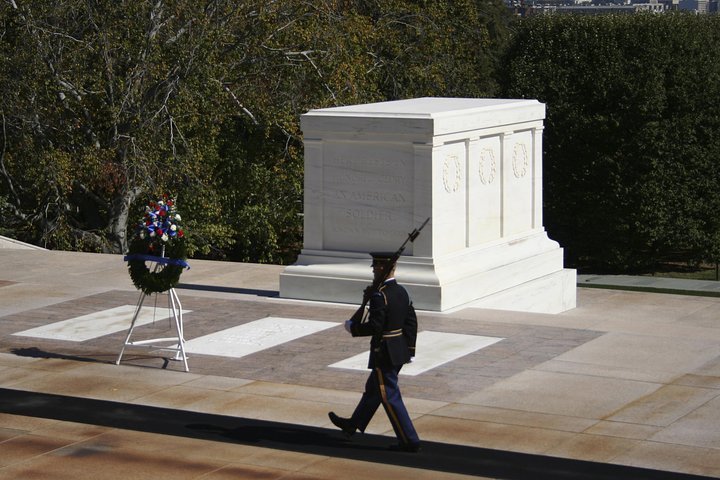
point(163, 213)
point(180, 233)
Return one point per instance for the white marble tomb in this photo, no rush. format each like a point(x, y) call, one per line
point(375, 172)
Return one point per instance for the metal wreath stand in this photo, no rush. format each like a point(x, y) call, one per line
point(174, 307)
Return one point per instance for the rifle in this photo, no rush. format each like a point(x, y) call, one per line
point(377, 282)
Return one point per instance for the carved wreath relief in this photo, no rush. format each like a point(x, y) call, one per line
point(451, 174)
point(520, 160)
point(487, 167)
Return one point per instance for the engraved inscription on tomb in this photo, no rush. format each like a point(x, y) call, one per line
point(370, 196)
point(366, 195)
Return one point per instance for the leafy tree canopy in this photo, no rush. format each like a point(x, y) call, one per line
point(631, 138)
point(109, 103)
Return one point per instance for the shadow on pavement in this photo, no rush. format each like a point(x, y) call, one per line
point(34, 352)
point(243, 291)
point(436, 456)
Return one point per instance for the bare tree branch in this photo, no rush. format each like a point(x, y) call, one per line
point(8, 178)
point(237, 100)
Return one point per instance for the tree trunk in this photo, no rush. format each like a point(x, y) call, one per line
point(120, 214)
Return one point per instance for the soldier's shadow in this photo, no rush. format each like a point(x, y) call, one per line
point(281, 436)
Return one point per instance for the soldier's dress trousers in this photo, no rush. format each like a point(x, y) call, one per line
point(392, 324)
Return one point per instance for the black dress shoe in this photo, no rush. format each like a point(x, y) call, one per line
point(406, 447)
point(344, 424)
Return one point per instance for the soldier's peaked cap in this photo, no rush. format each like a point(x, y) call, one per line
point(382, 257)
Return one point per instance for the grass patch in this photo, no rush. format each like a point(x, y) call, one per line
point(678, 270)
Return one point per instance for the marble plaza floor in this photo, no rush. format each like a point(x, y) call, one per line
point(627, 385)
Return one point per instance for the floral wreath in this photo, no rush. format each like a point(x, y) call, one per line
point(158, 238)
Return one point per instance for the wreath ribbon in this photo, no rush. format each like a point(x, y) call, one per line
point(153, 258)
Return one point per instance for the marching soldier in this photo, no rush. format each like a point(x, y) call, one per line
point(392, 324)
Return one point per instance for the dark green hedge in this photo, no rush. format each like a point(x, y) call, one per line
point(632, 138)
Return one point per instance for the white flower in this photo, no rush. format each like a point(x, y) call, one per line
point(152, 234)
point(161, 202)
point(164, 237)
point(177, 217)
point(173, 227)
point(142, 234)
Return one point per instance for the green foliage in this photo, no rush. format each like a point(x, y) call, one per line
point(120, 100)
point(436, 47)
point(260, 187)
point(632, 134)
point(115, 101)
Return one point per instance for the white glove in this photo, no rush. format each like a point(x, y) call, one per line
point(347, 326)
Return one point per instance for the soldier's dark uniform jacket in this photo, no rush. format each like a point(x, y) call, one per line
point(392, 323)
